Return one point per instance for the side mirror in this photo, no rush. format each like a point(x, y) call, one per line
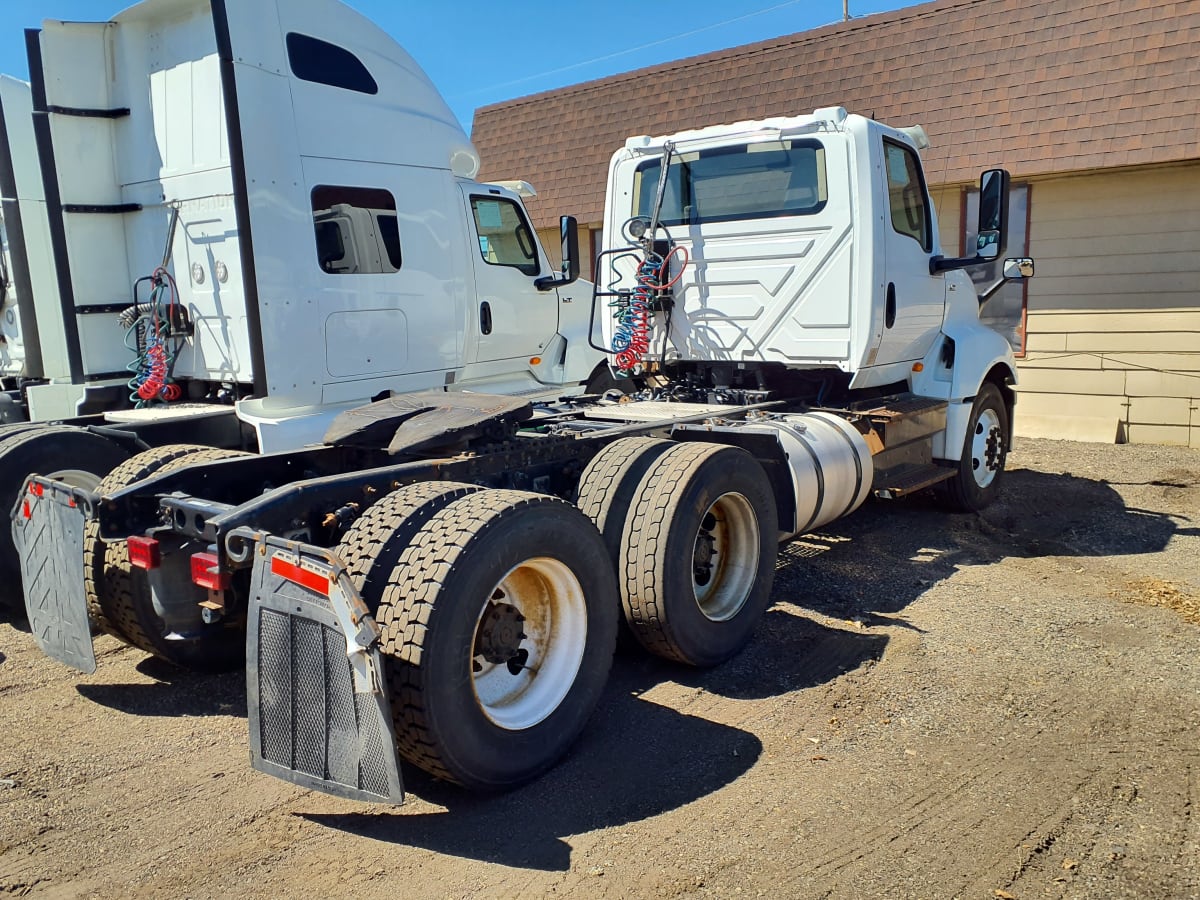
point(993, 214)
point(992, 229)
point(1021, 267)
point(568, 229)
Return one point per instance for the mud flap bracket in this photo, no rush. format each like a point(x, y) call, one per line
point(317, 702)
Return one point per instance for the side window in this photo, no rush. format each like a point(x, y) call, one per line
point(321, 62)
point(357, 230)
point(906, 192)
point(505, 238)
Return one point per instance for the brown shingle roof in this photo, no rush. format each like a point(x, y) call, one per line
point(1042, 87)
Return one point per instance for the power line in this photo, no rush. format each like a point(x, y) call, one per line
point(620, 53)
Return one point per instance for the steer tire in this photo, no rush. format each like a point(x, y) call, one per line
point(980, 470)
point(677, 603)
point(46, 450)
point(477, 722)
point(121, 604)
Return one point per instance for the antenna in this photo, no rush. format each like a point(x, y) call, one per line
point(845, 10)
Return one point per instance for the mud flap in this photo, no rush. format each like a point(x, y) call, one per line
point(318, 710)
point(48, 532)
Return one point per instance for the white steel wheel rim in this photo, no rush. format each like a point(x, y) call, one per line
point(551, 600)
point(984, 451)
point(731, 528)
point(76, 478)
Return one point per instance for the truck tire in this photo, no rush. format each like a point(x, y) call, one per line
point(499, 623)
point(698, 557)
point(121, 605)
point(74, 455)
point(976, 482)
point(608, 484)
point(372, 546)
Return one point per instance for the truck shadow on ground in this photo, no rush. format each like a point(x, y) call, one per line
point(636, 759)
point(173, 692)
point(871, 565)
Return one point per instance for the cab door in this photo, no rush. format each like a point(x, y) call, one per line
point(514, 320)
point(913, 300)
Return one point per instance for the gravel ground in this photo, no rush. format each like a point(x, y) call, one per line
point(996, 706)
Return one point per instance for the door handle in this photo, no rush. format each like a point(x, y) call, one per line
point(889, 315)
point(485, 317)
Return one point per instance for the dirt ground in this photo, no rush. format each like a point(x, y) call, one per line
point(994, 706)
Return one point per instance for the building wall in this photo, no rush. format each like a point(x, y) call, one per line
point(1113, 328)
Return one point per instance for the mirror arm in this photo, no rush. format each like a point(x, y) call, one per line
point(991, 290)
point(939, 264)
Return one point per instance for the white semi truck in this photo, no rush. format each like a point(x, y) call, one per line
point(442, 577)
point(241, 219)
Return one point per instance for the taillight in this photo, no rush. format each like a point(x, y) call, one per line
point(206, 572)
point(144, 553)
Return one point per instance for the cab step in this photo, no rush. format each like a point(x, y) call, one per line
point(908, 478)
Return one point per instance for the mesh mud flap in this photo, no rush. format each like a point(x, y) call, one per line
point(47, 525)
point(318, 710)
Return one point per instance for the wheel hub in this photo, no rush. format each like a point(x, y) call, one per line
point(705, 550)
point(993, 449)
point(500, 633)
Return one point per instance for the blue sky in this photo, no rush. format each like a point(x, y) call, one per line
point(493, 51)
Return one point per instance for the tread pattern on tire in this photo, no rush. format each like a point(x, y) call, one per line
point(604, 479)
point(649, 519)
point(106, 570)
point(409, 600)
point(649, 565)
point(372, 546)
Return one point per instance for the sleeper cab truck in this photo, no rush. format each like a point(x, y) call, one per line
point(254, 216)
point(443, 578)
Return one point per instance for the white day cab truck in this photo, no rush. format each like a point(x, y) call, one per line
point(240, 219)
point(442, 576)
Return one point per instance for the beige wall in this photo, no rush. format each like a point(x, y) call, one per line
point(1113, 328)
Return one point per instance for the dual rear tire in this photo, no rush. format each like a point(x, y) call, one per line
point(692, 530)
point(499, 617)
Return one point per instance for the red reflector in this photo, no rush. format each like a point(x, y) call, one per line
point(26, 511)
point(144, 553)
point(206, 572)
point(300, 576)
point(36, 489)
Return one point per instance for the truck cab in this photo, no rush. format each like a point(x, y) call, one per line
point(806, 250)
point(311, 198)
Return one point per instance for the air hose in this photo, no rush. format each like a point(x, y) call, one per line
point(635, 316)
point(149, 326)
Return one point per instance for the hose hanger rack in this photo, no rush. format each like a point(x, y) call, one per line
point(634, 307)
